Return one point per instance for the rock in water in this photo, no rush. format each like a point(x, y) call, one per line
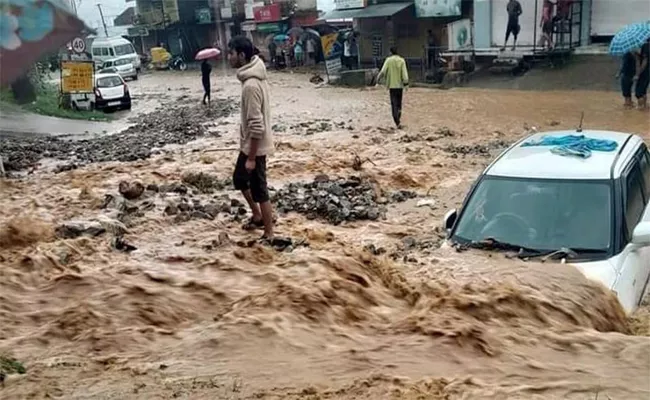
point(74, 229)
point(131, 190)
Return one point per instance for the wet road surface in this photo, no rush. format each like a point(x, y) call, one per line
point(370, 309)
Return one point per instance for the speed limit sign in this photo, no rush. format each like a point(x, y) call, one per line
point(78, 45)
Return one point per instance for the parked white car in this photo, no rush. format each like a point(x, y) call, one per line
point(111, 92)
point(123, 66)
point(592, 213)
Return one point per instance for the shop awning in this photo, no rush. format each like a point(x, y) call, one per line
point(381, 10)
point(340, 14)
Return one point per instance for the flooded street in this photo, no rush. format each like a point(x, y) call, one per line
point(360, 306)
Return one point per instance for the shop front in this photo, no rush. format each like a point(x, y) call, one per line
point(268, 21)
point(490, 19)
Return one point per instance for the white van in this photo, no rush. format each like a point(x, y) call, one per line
point(104, 49)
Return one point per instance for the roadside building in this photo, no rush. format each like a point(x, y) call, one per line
point(410, 25)
point(577, 23)
point(183, 27)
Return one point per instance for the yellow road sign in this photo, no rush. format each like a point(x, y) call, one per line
point(77, 76)
point(327, 42)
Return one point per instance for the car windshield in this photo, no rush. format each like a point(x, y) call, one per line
point(124, 49)
point(109, 82)
point(539, 214)
point(122, 62)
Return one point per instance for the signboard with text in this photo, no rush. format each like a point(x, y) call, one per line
point(348, 4)
point(77, 76)
point(437, 8)
point(268, 13)
point(332, 51)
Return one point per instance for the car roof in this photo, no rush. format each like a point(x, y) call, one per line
point(539, 162)
point(109, 40)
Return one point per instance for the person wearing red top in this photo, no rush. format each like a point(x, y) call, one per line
point(547, 24)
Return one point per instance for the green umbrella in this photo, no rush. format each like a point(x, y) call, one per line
point(31, 28)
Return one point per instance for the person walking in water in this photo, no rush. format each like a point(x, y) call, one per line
point(397, 79)
point(256, 141)
point(206, 69)
point(514, 11)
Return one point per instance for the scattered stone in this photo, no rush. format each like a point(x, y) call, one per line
point(169, 124)
point(279, 128)
point(316, 79)
point(152, 187)
point(203, 182)
point(372, 249)
point(131, 190)
point(174, 187)
point(74, 229)
point(120, 244)
point(426, 203)
point(476, 149)
point(65, 167)
point(401, 196)
point(112, 226)
point(335, 200)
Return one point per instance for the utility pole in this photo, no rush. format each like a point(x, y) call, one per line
point(101, 14)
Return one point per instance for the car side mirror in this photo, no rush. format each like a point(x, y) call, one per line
point(449, 220)
point(641, 234)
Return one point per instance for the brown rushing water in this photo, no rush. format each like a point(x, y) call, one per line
point(182, 317)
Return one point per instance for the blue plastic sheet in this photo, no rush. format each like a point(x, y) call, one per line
point(574, 145)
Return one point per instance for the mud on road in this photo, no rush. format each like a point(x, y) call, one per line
point(107, 293)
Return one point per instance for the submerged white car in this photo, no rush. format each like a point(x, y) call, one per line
point(590, 212)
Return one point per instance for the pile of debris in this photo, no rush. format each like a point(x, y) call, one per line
point(337, 200)
point(484, 150)
point(169, 124)
point(426, 136)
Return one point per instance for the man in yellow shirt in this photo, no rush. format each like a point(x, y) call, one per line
point(397, 79)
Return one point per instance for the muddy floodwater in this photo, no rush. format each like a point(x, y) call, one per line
point(134, 280)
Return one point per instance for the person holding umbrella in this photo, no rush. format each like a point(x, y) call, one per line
point(206, 69)
point(204, 55)
point(632, 43)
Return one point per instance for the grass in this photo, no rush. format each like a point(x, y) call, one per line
point(47, 103)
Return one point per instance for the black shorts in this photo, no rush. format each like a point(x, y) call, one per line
point(254, 180)
point(513, 27)
point(547, 27)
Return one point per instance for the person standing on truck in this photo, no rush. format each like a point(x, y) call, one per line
point(206, 69)
point(514, 11)
point(397, 79)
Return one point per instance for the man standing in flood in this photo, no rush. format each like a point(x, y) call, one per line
point(397, 79)
point(514, 11)
point(256, 142)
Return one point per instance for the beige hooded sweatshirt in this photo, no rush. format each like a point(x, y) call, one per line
point(255, 108)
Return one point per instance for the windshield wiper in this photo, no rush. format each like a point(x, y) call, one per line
point(494, 244)
point(566, 252)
